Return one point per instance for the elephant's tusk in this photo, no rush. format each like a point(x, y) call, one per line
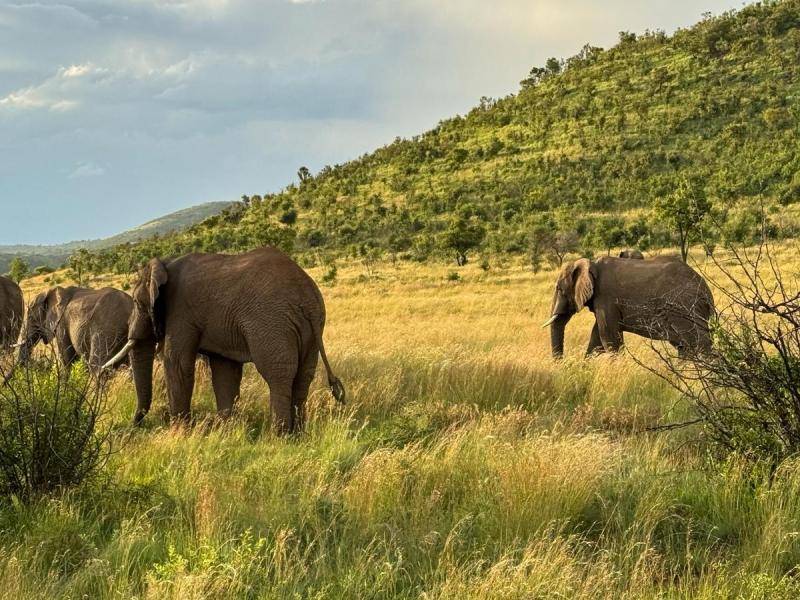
point(18, 345)
point(120, 355)
point(549, 321)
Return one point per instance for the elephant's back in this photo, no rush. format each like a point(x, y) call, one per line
point(108, 298)
point(661, 277)
point(243, 282)
point(11, 300)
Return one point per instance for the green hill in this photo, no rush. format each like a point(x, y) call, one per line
point(586, 148)
point(55, 255)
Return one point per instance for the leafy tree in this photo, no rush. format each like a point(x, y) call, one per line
point(683, 210)
point(540, 240)
point(303, 174)
point(18, 269)
point(462, 235)
point(561, 244)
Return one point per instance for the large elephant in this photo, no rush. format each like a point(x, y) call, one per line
point(12, 310)
point(85, 323)
point(258, 307)
point(660, 298)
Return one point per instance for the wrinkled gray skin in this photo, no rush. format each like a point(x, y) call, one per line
point(660, 298)
point(85, 323)
point(11, 312)
point(257, 307)
point(631, 253)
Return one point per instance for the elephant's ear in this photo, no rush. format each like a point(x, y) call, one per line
point(55, 303)
point(584, 285)
point(157, 276)
point(60, 301)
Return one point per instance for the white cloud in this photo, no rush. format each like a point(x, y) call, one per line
point(75, 71)
point(87, 168)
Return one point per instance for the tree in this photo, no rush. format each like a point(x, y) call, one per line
point(683, 210)
point(561, 244)
point(303, 174)
point(553, 66)
point(462, 235)
point(608, 232)
point(79, 263)
point(540, 239)
point(18, 269)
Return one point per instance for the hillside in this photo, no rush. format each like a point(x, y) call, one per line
point(587, 147)
point(55, 255)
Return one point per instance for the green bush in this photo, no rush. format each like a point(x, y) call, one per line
point(49, 435)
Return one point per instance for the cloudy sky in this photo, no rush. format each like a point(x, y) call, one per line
point(113, 112)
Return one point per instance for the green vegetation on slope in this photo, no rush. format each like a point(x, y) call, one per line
point(586, 149)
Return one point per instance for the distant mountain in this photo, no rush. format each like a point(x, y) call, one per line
point(55, 255)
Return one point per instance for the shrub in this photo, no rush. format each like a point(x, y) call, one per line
point(745, 390)
point(330, 274)
point(49, 436)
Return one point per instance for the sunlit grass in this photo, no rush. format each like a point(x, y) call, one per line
point(466, 464)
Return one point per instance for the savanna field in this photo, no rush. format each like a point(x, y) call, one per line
point(466, 464)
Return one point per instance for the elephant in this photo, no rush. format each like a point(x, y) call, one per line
point(12, 310)
point(631, 253)
point(660, 298)
point(86, 323)
point(258, 307)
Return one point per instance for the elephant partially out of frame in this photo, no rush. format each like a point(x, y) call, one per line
point(12, 310)
point(660, 298)
point(86, 324)
point(258, 307)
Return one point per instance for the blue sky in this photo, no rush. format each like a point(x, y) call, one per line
point(113, 112)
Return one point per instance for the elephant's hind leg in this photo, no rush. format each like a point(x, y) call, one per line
point(595, 343)
point(226, 378)
point(301, 385)
point(280, 376)
point(609, 328)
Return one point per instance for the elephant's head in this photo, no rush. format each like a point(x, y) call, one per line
point(145, 329)
point(574, 289)
point(44, 315)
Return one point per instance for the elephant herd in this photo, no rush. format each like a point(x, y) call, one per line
point(261, 307)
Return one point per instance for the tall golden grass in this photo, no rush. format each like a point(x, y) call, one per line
point(467, 464)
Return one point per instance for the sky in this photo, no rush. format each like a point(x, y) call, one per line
point(114, 112)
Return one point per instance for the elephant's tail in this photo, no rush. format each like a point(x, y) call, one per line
point(337, 389)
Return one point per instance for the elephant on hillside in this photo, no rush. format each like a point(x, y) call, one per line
point(258, 307)
point(86, 324)
point(660, 298)
point(631, 253)
point(12, 310)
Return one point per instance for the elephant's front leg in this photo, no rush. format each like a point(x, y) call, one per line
point(68, 356)
point(226, 377)
point(595, 343)
point(609, 328)
point(179, 367)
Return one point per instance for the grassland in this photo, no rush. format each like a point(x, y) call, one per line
point(467, 464)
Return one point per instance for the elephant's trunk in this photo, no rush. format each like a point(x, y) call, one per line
point(557, 327)
point(23, 356)
point(142, 354)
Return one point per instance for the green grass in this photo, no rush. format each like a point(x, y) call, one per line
point(466, 465)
